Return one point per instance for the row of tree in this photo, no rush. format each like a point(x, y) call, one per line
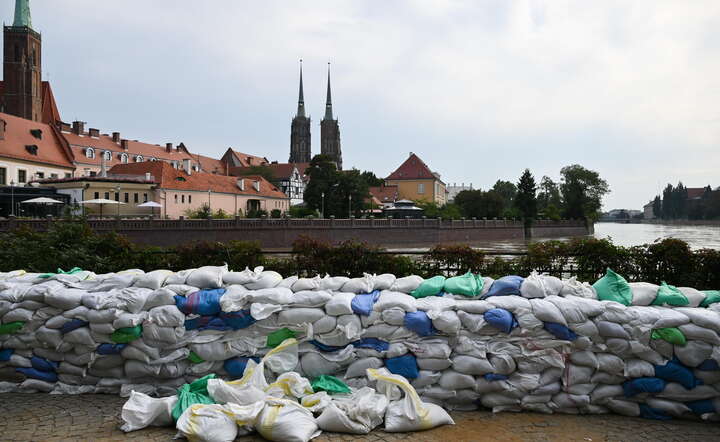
point(675, 204)
point(578, 195)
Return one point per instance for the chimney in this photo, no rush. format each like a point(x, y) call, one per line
point(148, 177)
point(116, 137)
point(187, 165)
point(64, 127)
point(78, 127)
point(124, 144)
point(2, 129)
point(168, 147)
point(103, 166)
point(94, 133)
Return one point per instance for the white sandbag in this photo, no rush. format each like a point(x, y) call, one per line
point(393, 316)
point(409, 413)
point(359, 413)
point(610, 363)
point(426, 378)
point(677, 392)
point(700, 316)
point(303, 284)
point(547, 312)
point(340, 304)
point(603, 392)
point(695, 297)
point(141, 411)
point(365, 284)
point(643, 293)
point(625, 408)
point(178, 278)
point(384, 281)
point(693, 353)
point(64, 299)
point(326, 324)
point(267, 280)
point(166, 316)
point(215, 422)
point(695, 332)
point(611, 330)
point(296, 316)
point(434, 364)
point(207, 277)
point(286, 421)
point(333, 283)
point(636, 368)
point(406, 284)
point(388, 299)
point(446, 322)
point(452, 380)
point(359, 367)
point(573, 287)
point(533, 286)
point(160, 297)
point(310, 298)
point(673, 408)
point(153, 280)
point(244, 391)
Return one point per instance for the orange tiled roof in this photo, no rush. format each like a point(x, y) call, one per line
point(385, 194)
point(412, 169)
point(240, 159)
point(50, 149)
point(211, 165)
point(169, 178)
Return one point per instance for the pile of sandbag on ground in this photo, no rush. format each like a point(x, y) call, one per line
point(537, 343)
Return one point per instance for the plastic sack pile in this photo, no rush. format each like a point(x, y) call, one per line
point(252, 350)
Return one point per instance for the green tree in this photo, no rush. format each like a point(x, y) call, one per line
point(432, 210)
point(344, 192)
point(525, 199)
point(548, 194)
point(657, 207)
point(263, 171)
point(507, 192)
point(480, 204)
point(371, 179)
point(582, 191)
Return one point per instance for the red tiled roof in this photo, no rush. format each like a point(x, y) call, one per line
point(412, 169)
point(169, 178)
point(284, 170)
point(211, 165)
point(385, 194)
point(695, 192)
point(240, 159)
point(17, 136)
point(50, 113)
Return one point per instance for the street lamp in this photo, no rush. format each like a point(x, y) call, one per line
point(12, 198)
point(209, 206)
point(117, 198)
point(349, 206)
point(322, 210)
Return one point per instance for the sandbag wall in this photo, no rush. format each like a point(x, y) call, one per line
point(537, 343)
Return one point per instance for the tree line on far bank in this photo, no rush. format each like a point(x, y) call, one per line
point(675, 204)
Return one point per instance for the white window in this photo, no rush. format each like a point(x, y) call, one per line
point(153, 159)
point(174, 164)
point(123, 158)
point(90, 152)
point(139, 159)
point(421, 188)
point(108, 155)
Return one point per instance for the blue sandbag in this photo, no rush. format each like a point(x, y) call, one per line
point(373, 343)
point(236, 366)
point(73, 325)
point(41, 364)
point(643, 385)
point(206, 323)
point(700, 407)
point(501, 319)
point(203, 302)
point(560, 331)
point(110, 349)
point(405, 366)
point(706, 365)
point(5, 354)
point(47, 376)
point(363, 303)
point(494, 377)
point(238, 320)
point(673, 371)
point(326, 348)
point(648, 412)
point(419, 323)
point(505, 286)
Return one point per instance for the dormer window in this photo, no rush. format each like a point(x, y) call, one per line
point(32, 149)
point(90, 152)
point(153, 159)
point(124, 158)
point(174, 164)
point(108, 155)
point(139, 159)
point(37, 133)
point(180, 178)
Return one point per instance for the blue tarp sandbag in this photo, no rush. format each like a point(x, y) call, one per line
point(709, 365)
point(405, 366)
point(643, 385)
point(560, 331)
point(42, 364)
point(238, 320)
point(505, 286)
point(673, 371)
point(206, 323)
point(373, 343)
point(203, 302)
point(236, 366)
point(34, 373)
point(700, 407)
point(73, 325)
point(419, 323)
point(494, 377)
point(648, 412)
point(501, 319)
point(326, 348)
point(5, 354)
point(363, 303)
point(110, 349)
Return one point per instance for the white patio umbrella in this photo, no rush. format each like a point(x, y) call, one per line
point(101, 202)
point(151, 204)
point(42, 200)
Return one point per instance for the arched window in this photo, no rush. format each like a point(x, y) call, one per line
point(123, 158)
point(108, 155)
point(153, 159)
point(139, 159)
point(90, 152)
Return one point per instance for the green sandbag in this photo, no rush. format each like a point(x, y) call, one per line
point(61, 272)
point(613, 287)
point(11, 327)
point(194, 358)
point(126, 335)
point(672, 335)
point(193, 393)
point(330, 384)
point(430, 287)
point(670, 295)
point(711, 297)
point(467, 284)
point(277, 337)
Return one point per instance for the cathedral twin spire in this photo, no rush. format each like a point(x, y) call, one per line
point(22, 14)
point(301, 98)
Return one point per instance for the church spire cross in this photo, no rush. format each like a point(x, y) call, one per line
point(22, 14)
point(328, 102)
point(301, 98)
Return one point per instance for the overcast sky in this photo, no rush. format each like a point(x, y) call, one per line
point(479, 89)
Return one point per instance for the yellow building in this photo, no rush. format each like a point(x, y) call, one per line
point(415, 181)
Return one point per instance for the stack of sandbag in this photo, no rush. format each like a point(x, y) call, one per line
point(516, 343)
